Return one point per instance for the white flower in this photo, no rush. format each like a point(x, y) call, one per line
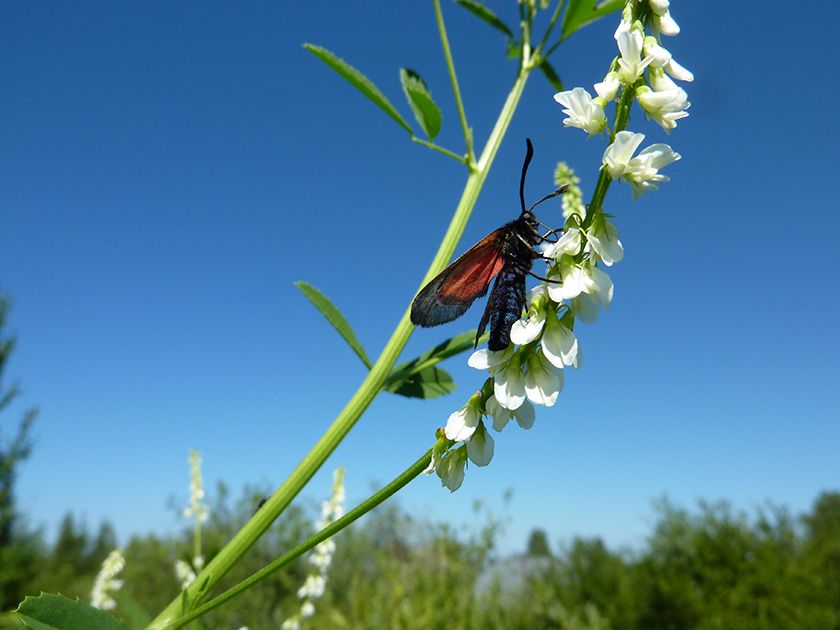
point(582, 112)
point(619, 153)
point(480, 446)
point(602, 286)
point(290, 624)
point(184, 573)
point(587, 305)
point(642, 171)
point(509, 385)
point(665, 107)
point(608, 88)
point(559, 344)
point(568, 244)
point(631, 65)
point(524, 415)
point(660, 55)
point(659, 7)
point(462, 423)
point(451, 468)
point(665, 24)
point(623, 26)
point(543, 381)
point(313, 587)
point(602, 237)
point(573, 280)
point(106, 581)
point(526, 330)
point(197, 507)
point(677, 71)
point(307, 609)
point(490, 360)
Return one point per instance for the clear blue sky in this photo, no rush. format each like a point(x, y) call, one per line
point(169, 170)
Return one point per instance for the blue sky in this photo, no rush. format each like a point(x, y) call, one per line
point(169, 170)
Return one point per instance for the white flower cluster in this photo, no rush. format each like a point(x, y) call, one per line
point(649, 70)
point(315, 584)
point(185, 573)
point(577, 287)
point(197, 508)
point(106, 581)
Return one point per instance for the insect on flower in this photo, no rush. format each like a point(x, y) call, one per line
point(505, 254)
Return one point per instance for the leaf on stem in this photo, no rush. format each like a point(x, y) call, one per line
point(360, 82)
point(552, 76)
point(483, 13)
point(334, 317)
point(419, 378)
point(48, 611)
point(579, 13)
point(420, 99)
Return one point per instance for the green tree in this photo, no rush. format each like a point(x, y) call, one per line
point(19, 548)
point(538, 543)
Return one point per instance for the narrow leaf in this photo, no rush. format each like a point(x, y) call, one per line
point(579, 13)
point(334, 317)
point(552, 76)
point(49, 612)
point(483, 13)
point(360, 82)
point(431, 382)
point(420, 99)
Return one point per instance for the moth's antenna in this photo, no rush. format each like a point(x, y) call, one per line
point(559, 191)
point(528, 155)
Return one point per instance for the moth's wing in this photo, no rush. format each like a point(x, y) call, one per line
point(485, 317)
point(454, 289)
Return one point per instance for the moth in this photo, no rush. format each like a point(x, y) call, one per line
point(505, 254)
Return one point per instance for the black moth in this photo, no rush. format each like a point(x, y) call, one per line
point(505, 254)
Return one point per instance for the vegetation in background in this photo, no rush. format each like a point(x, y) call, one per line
point(709, 567)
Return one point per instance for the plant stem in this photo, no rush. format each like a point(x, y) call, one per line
point(622, 116)
point(447, 52)
point(439, 149)
point(363, 508)
point(370, 387)
point(550, 26)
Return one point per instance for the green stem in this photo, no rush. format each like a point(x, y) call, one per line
point(363, 508)
point(439, 149)
point(622, 116)
point(550, 27)
point(196, 541)
point(450, 64)
point(370, 387)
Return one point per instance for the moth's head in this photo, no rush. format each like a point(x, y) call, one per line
point(529, 218)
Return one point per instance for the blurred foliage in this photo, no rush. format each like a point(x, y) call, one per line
point(19, 547)
point(709, 567)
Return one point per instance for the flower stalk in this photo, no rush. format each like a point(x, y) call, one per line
point(370, 387)
point(363, 508)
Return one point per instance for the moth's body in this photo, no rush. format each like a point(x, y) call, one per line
point(507, 299)
point(507, 255)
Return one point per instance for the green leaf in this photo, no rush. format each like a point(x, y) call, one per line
point(579, 13)
point(420, 99)
point(135, 614)
point(412, 378)
point(360, 82)
point(334, 317)
point(430, 382)
point(483, 13)
point(51, 612)
point(552, 76)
